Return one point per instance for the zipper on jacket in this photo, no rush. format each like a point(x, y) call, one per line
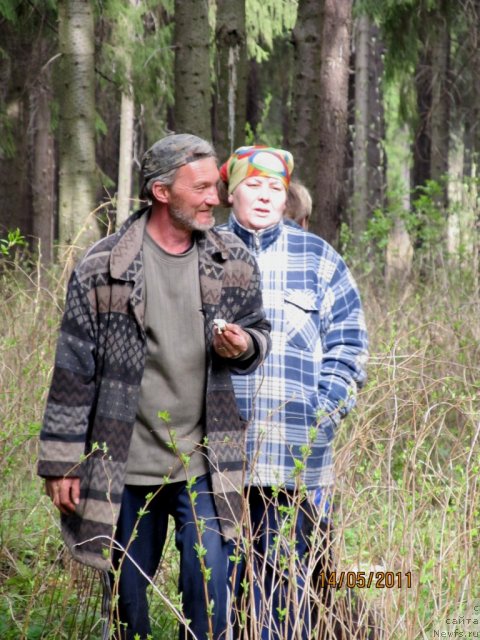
point(257, 241)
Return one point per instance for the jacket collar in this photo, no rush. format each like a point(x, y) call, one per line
point(255, 240)
point(126, 255)
point(126, 261)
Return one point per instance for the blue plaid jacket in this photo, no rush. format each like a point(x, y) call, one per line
point(294, 402)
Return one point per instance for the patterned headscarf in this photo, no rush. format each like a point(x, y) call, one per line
point(245, 163)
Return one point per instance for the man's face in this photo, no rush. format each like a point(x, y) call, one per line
point(193, 195)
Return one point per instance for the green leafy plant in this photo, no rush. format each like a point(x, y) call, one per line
point(13, 240)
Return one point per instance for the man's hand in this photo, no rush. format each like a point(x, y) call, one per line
point(232, 342)
point(64, 493)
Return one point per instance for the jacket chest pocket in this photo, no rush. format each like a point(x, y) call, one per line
point(302, 317)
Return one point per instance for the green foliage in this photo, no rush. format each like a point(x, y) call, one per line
point(100, 125)
point(13, 240)
point(139, 54)
point(379, 226)
point(398, 139)
point(260, 136)
point(407, 28)
point(266, 132)
point(19, 12)
point(27, 22)
point(427, 223)
point(266, 20)
point(400, 22)
point(8, 9)
point(164, 416)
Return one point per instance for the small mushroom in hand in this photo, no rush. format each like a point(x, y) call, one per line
point(220, 325)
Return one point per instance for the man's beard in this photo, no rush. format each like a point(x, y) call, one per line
point(187, 222)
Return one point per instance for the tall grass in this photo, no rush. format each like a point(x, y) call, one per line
point(408, 461)
point(407, 499)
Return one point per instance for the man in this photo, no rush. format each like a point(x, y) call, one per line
point(141, 421)
point(307, 385)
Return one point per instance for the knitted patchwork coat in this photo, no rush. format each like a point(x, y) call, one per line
point(99, 364)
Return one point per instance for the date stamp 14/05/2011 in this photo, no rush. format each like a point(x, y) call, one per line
point(366, 579)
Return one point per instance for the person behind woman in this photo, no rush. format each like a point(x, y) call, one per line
point(298, 207)
point(308, 383)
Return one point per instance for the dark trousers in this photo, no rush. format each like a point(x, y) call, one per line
point(282, 582)
point(147, 547)
point(274, 566)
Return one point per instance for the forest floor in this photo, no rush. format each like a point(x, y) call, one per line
point(407, 501)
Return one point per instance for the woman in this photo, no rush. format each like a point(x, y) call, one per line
point(308, 383)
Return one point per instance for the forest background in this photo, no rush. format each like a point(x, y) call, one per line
point(379, 101)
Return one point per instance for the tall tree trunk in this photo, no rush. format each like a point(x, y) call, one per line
point(476, 114)
point(399, 250)
point(107, 101)
point(329, 192)
point(124, 192)
point(319, 107)
point(15, 70)
point(360, 208)
point(440, 116)
point(476, 83)
point(253, 110)
point(77, 172)
point(231, 69)
point(304, 134)
point(192, 68)
point(369, 159)
point(471, 127)
point(376, 157)
point(127, 119)
point(421, 171)
point(43, 161)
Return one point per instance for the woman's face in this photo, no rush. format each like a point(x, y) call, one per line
point(259, 201)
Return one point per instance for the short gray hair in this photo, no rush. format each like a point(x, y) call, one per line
point(167, 179)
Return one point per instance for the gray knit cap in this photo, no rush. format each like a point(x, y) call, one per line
point(172, 152)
